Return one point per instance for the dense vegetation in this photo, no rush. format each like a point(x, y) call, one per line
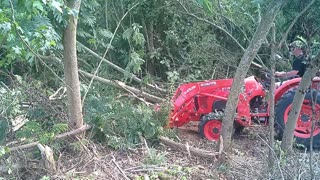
point(162, 42)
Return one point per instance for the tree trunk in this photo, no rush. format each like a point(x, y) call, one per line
point(246, 60)
point(271, 99)
point(151, 68)
point(71, 68)
point(306, 80)
point(106, 14)
point(148, 31)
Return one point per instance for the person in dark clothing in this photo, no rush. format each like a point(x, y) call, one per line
point(299, 62)
point(299, 65)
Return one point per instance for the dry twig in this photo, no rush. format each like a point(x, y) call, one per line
point(120, 169)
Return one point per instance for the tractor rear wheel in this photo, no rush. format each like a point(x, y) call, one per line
point(302, 132)
point(210, 126)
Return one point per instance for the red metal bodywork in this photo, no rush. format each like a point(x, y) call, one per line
point(193, 100)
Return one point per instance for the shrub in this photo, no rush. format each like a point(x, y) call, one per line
point(121, 124)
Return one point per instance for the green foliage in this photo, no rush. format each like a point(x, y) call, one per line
point(135, 63)
point(30, 130)
point(4, 126)
point(33, 130)
point(9, 101)
point(60, 128)
point(173, 172)
point(120, 124)
point(206, 4)
point(41, 119)
point(154, 157)
point(30, 28)
point(9, 108)
point(3, 151)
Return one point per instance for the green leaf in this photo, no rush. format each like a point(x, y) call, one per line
point(17, 50)
point(135, 62)
point(57, 5)
point(38, 5)
point(2, 151)
point(127, 34)
point(138, 38)
point(28, 5)
point(53, 43)
point(106, 33)
point(3, 129)
point(206, 4)
point(6, 26)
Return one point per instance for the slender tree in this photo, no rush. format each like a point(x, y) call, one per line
point(71, 67)
point(287, 139)
point(271, 96)
point(243, 67)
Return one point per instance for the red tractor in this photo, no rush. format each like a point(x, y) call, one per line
point(205, 102)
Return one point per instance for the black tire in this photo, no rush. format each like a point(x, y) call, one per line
point(211, 117)
point(237, 128)
point(204, 119)
point(282, 105)
point(208, 118)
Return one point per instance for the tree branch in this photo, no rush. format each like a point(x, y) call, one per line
point(119, 84)
point(59, 136)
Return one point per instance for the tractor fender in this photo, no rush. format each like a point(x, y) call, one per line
point(293, 83)
point(289, 84)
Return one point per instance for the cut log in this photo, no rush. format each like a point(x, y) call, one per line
point(47, 158)
point(194, 151)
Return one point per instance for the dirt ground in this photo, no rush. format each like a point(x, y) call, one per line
point(248, 160)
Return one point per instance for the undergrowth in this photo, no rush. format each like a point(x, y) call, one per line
point(118, 121)
point(122, 122)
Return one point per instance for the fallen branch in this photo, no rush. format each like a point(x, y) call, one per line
point(134, 77)
point(59, 136)
point(195, 151)
point(148, 169)
point(120, 169)
point(133, 94)
point(119, 84)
